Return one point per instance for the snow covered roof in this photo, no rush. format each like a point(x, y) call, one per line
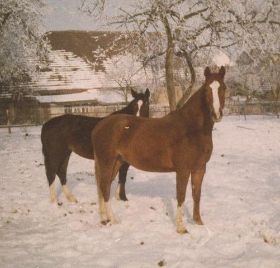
point(91, 46)
point(103, 96)
point(67, 71)
point(78, 61)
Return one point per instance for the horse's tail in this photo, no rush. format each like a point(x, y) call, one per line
point(43, 141)
point(45, 150)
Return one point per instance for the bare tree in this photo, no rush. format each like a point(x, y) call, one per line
point(126, 73)
point(188, 29)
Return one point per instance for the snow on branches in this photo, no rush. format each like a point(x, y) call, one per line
point(192, 29)
point(21, 40)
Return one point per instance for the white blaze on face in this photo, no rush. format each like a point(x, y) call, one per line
point(216, 101)
point(139, 103)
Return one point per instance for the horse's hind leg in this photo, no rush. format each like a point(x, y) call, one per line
point(105, 187)
point(197, 178)
point(51, 179)
point(105, 174)
point(120, 194)
point(101, 202)
point(50, 173)
point(62, 172)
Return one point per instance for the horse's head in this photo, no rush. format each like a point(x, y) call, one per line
point(215, 92)
point(140, 104)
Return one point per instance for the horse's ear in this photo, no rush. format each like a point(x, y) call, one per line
point(222, 71)
point(133, 93)
point(147, 93)
point(207, 72)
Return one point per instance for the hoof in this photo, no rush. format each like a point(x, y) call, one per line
point(111, 222)
point(123, 198)
point(72, 199)
point(53, 200)
point(198, 221)
point(120, 193)
point(114, 221)
point(105, 222)
point(182, 230)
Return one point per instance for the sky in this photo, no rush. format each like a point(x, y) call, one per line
point(65, 15)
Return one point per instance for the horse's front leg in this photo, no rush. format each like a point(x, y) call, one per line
point(197, 178)
point(120, 194)
point(181, 187)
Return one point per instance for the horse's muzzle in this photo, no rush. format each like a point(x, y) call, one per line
point(216, 120)
point(217, 117)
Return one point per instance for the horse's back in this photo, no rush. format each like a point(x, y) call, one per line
point(139, 141)
point(115, 126)
point(69, 132)
point(69, 122)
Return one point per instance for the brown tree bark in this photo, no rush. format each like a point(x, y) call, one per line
point(189, 90)
point(169, 65)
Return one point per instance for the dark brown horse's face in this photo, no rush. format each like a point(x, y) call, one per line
point(215, 93)
point(141, 103)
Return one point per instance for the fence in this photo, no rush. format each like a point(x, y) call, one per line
point(252, 108)
point(38, 115)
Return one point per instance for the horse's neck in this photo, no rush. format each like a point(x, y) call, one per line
point(126, 110)
point(196, 113)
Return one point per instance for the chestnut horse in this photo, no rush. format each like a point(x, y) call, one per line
point(181, 142)
point(69, 133)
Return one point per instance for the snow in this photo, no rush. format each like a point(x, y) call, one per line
point(104, 96)
point(240, 208)
point(68, 71)
point(221, 59)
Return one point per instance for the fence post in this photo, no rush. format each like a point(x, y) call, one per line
point(8, 121)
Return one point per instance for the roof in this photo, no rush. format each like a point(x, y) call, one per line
point(95, 96)
point(88, 63)
point(67, 71)
point(87, 45)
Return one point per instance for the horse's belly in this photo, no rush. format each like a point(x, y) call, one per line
point(83, 150)
point(151, 168)
point(149, 161)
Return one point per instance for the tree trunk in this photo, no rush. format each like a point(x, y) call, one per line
point(126, 95)
point(8, 121)
point(189, 90)
point(169, 66)
point(276, 95)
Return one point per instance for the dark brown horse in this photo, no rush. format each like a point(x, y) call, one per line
point(69, 133)
point(180, 142)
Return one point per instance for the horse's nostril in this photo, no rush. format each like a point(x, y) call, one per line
point(217, 117)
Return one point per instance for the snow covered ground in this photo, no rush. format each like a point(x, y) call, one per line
point(240, 208)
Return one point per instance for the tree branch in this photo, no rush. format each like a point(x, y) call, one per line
point(5, 18)
point(188, 16)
